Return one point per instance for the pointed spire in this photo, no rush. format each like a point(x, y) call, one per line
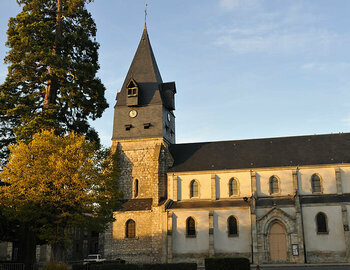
point(144, 70)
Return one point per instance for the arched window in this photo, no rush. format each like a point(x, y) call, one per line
point(193, 189)
point(136, 190)
point(316, 183)
point(321, 222)
point(190, 227)
point(130, 229)
point(233, 187)
point(274, 186)
point(232, 227)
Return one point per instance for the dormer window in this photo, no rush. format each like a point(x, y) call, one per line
point(132, 91)
point(132, 88)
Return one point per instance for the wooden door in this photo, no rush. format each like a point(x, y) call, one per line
point(278, 243)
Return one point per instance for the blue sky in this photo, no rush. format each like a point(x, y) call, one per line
point(243, 68)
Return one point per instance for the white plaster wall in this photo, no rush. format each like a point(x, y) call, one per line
point(183, 244)
point(328, 181)
point(204, 181)
point(240, 243)
point(285, 182)
point(334, 240)
point(345, 179)
point(222, 184)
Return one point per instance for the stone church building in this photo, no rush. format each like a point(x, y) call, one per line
point(284, 200)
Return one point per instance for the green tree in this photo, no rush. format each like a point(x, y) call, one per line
point(57, 183)
point(51, 80)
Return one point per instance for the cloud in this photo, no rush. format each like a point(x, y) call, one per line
point(229, 5)
point(259, 40)
point(326, 66)
point(287, 30)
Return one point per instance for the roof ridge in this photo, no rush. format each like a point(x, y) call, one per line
point(267, 138)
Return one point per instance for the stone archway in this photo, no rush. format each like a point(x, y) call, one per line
point(277, 242)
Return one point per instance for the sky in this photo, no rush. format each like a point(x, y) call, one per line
point(243, 68)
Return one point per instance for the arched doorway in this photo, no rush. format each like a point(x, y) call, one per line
point(278, 242)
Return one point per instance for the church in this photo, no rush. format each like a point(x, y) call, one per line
point(272, 200)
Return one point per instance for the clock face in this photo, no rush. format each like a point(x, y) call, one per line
point(168, 116)
point(133, 113)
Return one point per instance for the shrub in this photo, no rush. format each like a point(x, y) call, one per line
point(112, 266)
point(238, 263)
point(169, 266)
point(55, 266)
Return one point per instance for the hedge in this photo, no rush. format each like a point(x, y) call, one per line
point(169, 266)
point(121, 266)
point(238, 263)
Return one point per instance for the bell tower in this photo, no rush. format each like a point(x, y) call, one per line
point(145, 105)
point(144, 127)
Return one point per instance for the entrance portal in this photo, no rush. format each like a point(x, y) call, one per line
point(278, 243)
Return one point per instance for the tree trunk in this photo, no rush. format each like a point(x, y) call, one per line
point(52, 84)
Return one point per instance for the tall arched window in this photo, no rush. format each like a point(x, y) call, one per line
point(136, 190)
point(316, 183)
point(130, 229)
point(232, 226)
point(233, 187)
point(321, 222)
point(190, 227)
point(274, 185)
point(193, 189)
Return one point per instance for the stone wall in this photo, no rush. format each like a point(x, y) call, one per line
point(146, 247)
point(146, 160)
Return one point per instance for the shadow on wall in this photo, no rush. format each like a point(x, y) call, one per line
point(179, 189)
point(217, 186)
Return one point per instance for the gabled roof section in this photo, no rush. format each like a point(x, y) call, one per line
point(262, 153)
point(144, 71)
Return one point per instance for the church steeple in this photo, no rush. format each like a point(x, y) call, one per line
point(143, 87)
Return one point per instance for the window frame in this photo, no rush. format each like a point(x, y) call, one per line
point(321, 184)
point(317, 223)
point(228, 226)
point(230, 186)
point(278, 185)
point(127, 231)
point(136, 188)
point(191, 189)
point(194, 235)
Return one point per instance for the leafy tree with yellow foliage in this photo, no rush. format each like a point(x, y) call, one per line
point(57, 183)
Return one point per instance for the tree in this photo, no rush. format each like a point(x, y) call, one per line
point(57, 183)
point(51, 80)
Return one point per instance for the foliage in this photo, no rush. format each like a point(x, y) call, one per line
point(59, 182)
point(55, 266)
point(51, 80)
point(169, 266)
point(121, 266)
point(238, 263)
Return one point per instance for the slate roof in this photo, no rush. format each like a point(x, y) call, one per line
point(269, 202)
point(325, 198)
point(144, 70)
point(207, 203)
point(261, 153)
point(137, 205)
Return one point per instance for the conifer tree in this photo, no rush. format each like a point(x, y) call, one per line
point(51, 80)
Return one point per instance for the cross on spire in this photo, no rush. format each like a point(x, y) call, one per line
point(146, 14)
